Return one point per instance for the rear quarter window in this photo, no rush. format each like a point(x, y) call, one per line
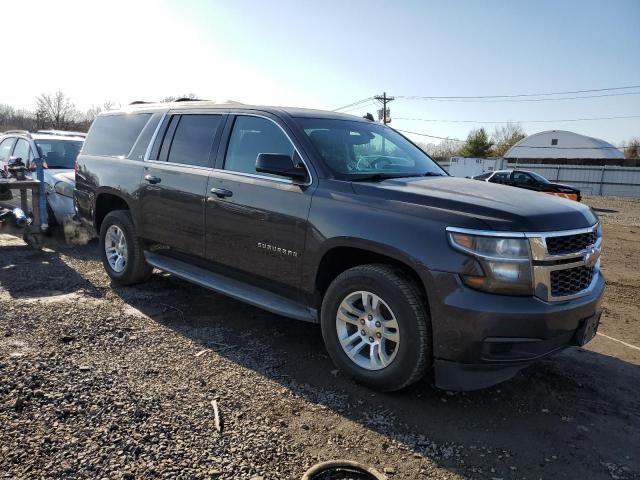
point(114, 135)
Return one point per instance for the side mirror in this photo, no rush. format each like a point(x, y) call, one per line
point(280, 164)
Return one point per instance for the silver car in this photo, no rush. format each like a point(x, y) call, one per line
point(59, 150)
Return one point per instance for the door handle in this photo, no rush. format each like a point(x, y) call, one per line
point(152, 179)
point(221, 192)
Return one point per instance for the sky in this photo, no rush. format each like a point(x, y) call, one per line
point(332, 53)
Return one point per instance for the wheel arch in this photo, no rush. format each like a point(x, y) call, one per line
point(349, 253)
point(107, 201)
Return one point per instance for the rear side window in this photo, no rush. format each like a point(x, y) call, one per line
point(5, 148)
point(193, 139)
point(114, 135)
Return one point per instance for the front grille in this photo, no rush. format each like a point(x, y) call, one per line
point(570, 281)
point(570, 243)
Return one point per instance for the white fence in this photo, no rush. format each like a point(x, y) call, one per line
point(591, 180)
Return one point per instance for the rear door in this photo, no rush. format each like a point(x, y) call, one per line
point(174, 184)
point(256, 223)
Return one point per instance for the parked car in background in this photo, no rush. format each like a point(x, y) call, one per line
point(58, 150)
point(531, 181)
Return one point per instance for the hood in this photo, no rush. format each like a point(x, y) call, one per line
point(499, 207)
point(61, 175)
point(564, 188)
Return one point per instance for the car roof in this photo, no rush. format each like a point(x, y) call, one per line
point(203, 104)
point(45, 136)
point(42, 136)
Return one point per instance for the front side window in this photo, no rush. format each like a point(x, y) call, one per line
point(521, 177)
point(539, 178)
point(250, 137)
point(5, 148)
point(59, 153)
point(193, 139)
point(355, 150)
point(114, 135)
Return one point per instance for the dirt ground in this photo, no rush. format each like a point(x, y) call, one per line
point(103, 382)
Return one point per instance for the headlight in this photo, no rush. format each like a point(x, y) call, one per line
point(506, 262)
point(65, 189)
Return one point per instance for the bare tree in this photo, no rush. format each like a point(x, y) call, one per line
point(91, 114)
point(506, 136)
point(55, 110)
point(632, 149)
point(441, 151)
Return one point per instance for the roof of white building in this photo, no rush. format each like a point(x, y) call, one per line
point(562, 144)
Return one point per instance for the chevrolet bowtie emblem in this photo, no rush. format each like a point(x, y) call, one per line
point(591, 257)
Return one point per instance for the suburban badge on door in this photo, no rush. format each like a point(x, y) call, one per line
point(280, 250)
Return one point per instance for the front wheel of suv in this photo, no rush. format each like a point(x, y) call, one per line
point(121, 250)
point(376, 327)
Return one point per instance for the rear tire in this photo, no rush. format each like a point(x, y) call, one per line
point(121, 250)
point(376, 327)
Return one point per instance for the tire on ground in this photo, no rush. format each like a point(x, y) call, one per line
point(407, 302)
point(136, 268)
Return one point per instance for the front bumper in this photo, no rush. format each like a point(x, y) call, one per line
point(61, 206)
point(480, 339)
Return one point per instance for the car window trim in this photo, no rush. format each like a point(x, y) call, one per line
point(232, 123)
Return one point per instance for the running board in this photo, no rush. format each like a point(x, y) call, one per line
point(236, 289)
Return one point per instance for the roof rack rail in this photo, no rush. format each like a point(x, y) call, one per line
point(18, 132)
point(139, 102)
point(63, 133)
point(187, 99)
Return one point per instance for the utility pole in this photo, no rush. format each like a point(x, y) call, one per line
point(384, 99)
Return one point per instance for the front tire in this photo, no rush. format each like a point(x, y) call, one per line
point(121, 250)
point(376, 327)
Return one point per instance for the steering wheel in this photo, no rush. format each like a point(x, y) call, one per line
point(381, 162)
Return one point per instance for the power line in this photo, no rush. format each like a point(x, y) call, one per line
point(464, 100)
point(353, 104)
point(612, 147)
point(364, 105)
point(518, 121)
point(546, 94)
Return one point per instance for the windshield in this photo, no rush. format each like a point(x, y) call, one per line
point(365, 150)
point(59, 153)
point(538, 177)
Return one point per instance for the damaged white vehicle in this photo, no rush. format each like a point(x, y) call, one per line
point(58, 150)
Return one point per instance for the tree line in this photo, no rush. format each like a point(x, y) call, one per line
point(57, 111)
point(480, 144)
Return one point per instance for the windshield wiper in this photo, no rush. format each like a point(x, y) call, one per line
point(378, 177)
point(374, 177)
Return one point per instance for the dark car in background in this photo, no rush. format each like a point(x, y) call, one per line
point(531, 181)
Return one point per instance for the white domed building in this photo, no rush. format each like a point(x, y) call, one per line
point(560, 146)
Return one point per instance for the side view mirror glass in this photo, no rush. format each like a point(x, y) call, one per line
point(280, 164)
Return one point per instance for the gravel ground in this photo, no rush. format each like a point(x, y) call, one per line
point(103, 382)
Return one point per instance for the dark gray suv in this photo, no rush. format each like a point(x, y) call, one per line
point(335, 219)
